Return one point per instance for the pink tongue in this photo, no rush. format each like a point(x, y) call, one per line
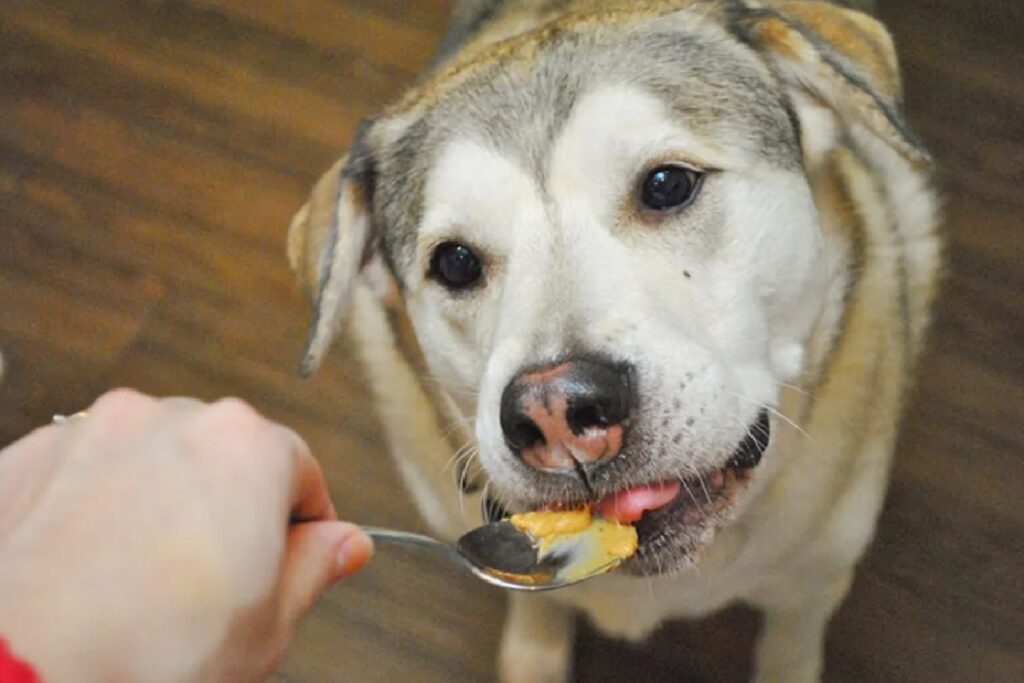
point(630, 505)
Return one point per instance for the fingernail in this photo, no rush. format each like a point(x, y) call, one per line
point(354, 551)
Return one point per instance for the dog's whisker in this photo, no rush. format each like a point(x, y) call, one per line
point(460, 452)
point(798, 390)
point(790, 422)
point(451, 429)
point(450, 385)
point(773, 411)
point(462, 482)
point(472, 455)
point(704, 487)
point(484, 496)
point(465, 465)
point(463, 470)
point(453, 461)
point(689, 493)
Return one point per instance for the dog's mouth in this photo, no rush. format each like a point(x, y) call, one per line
point(683, 519)
point(677, 518)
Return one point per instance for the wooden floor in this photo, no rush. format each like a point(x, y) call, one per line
point(152, 153)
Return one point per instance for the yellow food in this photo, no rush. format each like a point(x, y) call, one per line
point(597, 543)
point(545, 524)
point(618, 540)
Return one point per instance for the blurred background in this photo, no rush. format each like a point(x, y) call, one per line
point(152, 154)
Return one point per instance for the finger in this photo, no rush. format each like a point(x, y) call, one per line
point(119, 403)
point(318, 554)
point(284, 461)
point(309, 499)
point(117, 416)
point(35, 444)
point(27, 468)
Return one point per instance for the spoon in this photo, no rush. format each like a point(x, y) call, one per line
point(504, 556)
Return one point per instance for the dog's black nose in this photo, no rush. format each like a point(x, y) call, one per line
point(570, 413)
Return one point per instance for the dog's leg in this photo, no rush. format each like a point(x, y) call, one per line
point(792, 643)
point(536, 646)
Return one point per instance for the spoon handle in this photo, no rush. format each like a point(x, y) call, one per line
point(407, 538)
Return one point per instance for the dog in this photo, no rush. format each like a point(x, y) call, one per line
point(673, 256)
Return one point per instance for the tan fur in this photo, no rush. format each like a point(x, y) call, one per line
point(518, 34)
point(857, 37)
point(308, 231)
point(326, 247)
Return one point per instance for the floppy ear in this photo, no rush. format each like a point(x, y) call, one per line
point(842, 58)
point(329, 241)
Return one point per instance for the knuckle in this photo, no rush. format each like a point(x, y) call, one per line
point(121, 401)
point(249, 429)
point(236, 411)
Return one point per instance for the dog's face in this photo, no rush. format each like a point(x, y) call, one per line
point(610, 253)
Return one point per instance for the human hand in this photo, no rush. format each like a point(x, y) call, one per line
point(164, 541)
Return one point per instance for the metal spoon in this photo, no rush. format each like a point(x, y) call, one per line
point(502, 555)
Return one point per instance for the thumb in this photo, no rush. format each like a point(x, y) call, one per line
point(318, 554)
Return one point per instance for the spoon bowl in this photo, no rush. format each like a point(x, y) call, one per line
point(504, 556)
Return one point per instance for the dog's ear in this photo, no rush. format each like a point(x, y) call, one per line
point(843, 59)
point(329, 241)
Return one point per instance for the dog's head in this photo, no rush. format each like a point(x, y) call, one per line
point(607, 244)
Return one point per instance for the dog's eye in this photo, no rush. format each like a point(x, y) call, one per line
point(455, 266)
point(669, 187)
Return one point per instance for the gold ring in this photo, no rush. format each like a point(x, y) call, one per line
point(61, 419)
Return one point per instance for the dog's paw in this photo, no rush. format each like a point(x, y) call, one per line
point(536, 646)
point(783, 660)
point(625, 623)
point(527, 660)
point(809, 672)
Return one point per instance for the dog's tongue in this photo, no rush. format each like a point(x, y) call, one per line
point(629, 505)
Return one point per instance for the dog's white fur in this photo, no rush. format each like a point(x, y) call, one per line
point(770, 262)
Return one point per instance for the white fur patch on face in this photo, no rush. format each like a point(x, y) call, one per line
point(484, 200)
point(780, 259)
point(612, 134)
point(479, 196)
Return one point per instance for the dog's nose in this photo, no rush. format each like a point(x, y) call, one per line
point(571, 413)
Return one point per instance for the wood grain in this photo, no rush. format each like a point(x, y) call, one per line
point(151, 154)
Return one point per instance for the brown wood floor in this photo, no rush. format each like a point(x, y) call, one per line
point(152, 153)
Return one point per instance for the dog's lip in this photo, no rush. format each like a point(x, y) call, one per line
point(751, 449)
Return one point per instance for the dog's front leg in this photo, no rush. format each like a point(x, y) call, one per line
point(791, 648)
point(537, 644)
